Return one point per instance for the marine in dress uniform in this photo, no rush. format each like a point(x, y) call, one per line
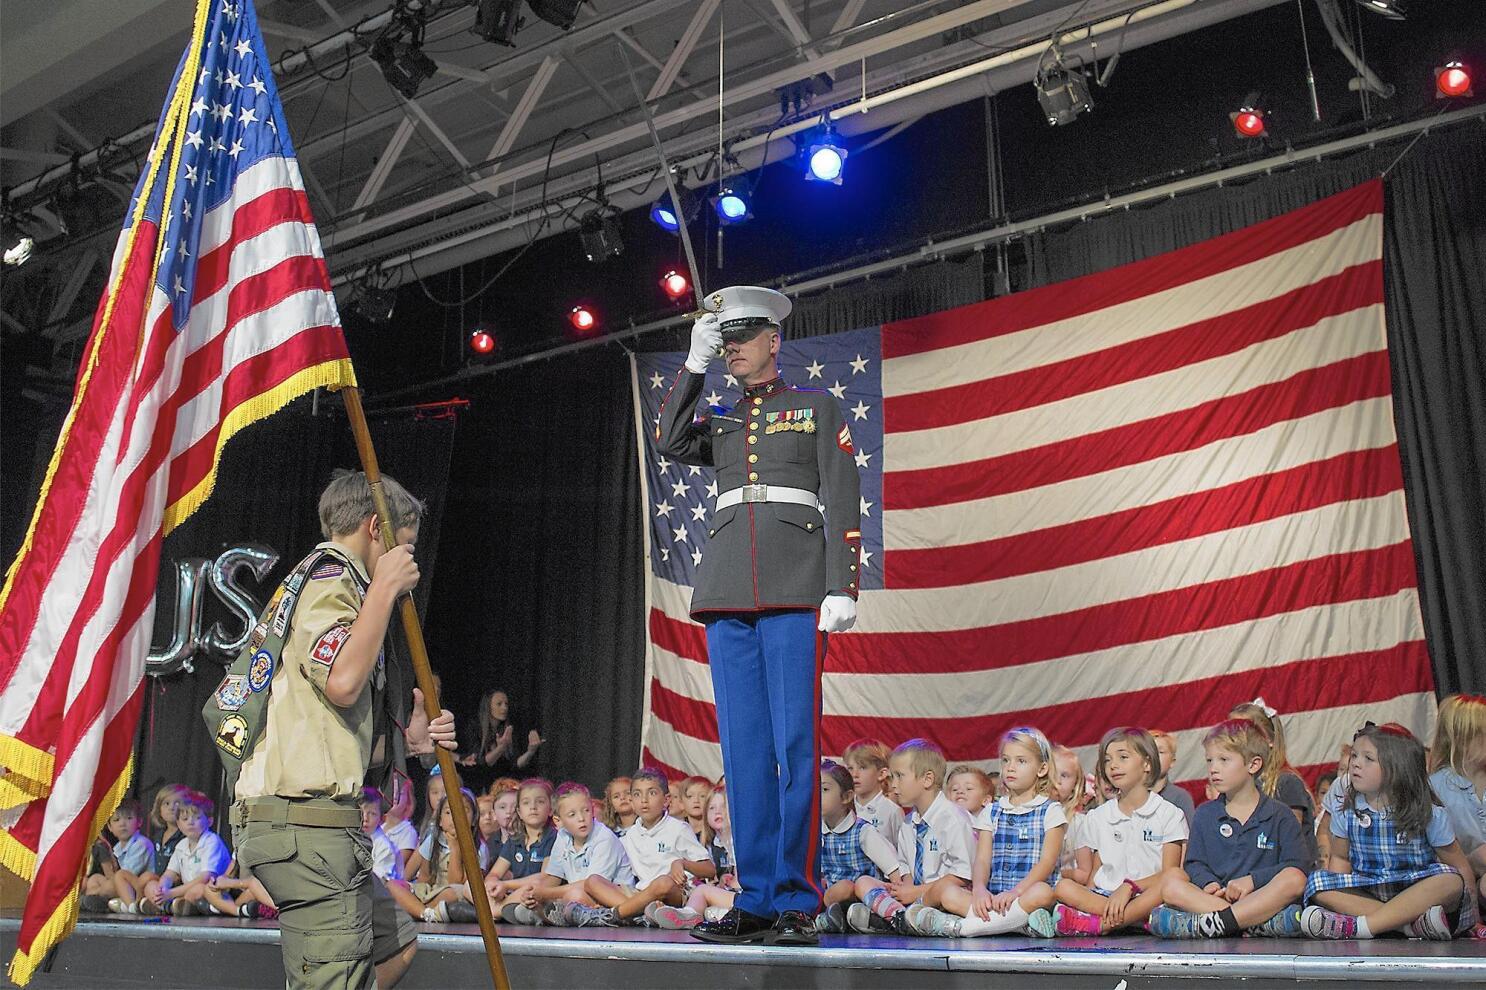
point(778, 574)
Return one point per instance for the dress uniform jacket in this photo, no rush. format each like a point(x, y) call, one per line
point(770, 555)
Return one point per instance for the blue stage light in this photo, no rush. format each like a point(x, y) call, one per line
point(664, 214)
point(733, 201)
point(825, 156)
point(731, 206)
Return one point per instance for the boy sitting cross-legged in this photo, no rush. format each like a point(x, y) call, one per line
point(1245, 864)
point(200, 858)
point(584, 848)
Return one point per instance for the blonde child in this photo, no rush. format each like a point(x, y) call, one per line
point(850, 848)
point(1166, 746)
point(1137, 840)
point(128, 886)
point(1395, 864)
point(131, 853)
point(1072, 785)
point(867, 760)
point(1279, 780)
point(1245, 867)
point(935, 841)
point(518, 863)
point(663, 851)
point(619, 811)
point(1458, 758)
point(584, 848)
point(1019, 839)
point(713, 899)
point(970, 787)
point(676, 799)
point(199, 858)
point(694, 792)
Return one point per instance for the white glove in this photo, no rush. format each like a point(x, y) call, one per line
point(838, 613)
point(706, 341)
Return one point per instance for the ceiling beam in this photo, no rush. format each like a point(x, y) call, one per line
point(576, 64)
point(80, 141)
point(77, 276)
point(417, 110)
point(506, 140)
point(33, 156)
point(683, 49)
point(848, 16)
point(290, 31)
point(385, 164)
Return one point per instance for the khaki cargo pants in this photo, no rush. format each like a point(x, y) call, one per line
point(336, 919)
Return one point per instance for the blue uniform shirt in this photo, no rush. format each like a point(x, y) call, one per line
point(526, 860)
point(1223, 849)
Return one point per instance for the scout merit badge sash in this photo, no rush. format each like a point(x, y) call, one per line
point(237, 711)
point(790, 420)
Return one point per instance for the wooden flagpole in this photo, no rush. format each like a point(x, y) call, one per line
point(463, 831)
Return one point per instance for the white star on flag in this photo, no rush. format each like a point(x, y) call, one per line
point(663, 508)
point(866, 507)
point(692, 470)
point(714, 399)
point(233, 80)
point(859, 366)
point(696, 558)
point(236, 149)
point(862, 458)
point(860, 409)
point(656, 381)
point(191, 174)
point(179, 286)
point(698, 513)
point(663, 464)
point(732, 382)
point(838, 390)
point(712, 488)
point(257, 86)
point(199, 106)
point(243, 48)
point(680, 489)
point(680, 534)
point(216, 145)
point(815, 368)
point(193, 138)
point(866, 558)
point(665, 553)
point(247, 115)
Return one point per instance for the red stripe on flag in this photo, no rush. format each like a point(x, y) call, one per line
point(1321, 581)
point(1311, 391)
point(649, 759)
point(697, 719)
point(1357, 474)
point(682, 638)
point(1358, 286)
point(1091, 293)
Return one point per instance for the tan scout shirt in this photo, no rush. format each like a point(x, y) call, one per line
point(310, 747)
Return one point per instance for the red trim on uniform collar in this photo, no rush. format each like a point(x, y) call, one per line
point(775, 384)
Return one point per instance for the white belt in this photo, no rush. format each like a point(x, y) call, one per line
point(768, 493)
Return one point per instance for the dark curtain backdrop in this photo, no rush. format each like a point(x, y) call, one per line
point(1434, 260)
point(268, 491)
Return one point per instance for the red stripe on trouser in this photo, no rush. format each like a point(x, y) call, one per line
point(812, 855)
point(1091, 293)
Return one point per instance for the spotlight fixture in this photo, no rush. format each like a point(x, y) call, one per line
point(482, 342)
point(561, 13)
point(1063, 95)
point(498, 21)
point(403, 64)
point(675, 285)
point(1452, 80)
point(598, 231)
point(668, 217)
point(16, 242)
point(374, 303)
point(734, 201)
point(1394, 10)
point(583, 319)
point(1249, 119)
point(825, 156)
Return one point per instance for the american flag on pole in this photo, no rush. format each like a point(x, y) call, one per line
point(1140, 497)
point(218, 312)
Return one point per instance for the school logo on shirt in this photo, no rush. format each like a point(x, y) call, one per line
point(933, 845)
point(1148, 835)
point(260, 671)
point(1225, 830)
point(1265, 842)
point(328, 646)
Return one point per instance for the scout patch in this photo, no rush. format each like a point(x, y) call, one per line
point(232, 735)
point(232, 693)
point(843, 439)
point(329, 645)
point(260, 671)
point(790, 421)
point(260, 633)
point(281, 616)
point(329, 569)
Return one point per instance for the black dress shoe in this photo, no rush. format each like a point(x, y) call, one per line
point(795, 928)
point(734, 927)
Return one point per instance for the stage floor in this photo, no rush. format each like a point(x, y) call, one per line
point(119, 951)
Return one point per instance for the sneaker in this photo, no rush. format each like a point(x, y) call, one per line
point(252, 909)
point(182, 908)
point(461, 912)
point(266, 913)
point(1070, 921)
point(931, 922)
point(583, 916)
point(715, 912)
point(1168, 922)
point(551, 912)
point(671, 919)
point(520, 914)
point(94, 904)
point(832, 920)
point(117, 906)
point(1321, 923)
point(438, 914)
point(1041, 924)
point(1432, 924)
point(146, 906)
point(859, 918)
point(1286, 924)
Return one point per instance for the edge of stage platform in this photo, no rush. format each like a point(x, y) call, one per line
point(1267, 960)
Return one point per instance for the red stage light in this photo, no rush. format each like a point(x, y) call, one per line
point(1452, 79)
point(582, 319)
point(675, 284)
point(1248, 122)
point(481, 342)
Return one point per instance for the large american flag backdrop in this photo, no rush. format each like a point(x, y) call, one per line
point(218, 312)
point(1139, 497)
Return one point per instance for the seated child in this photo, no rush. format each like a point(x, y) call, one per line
point(128, 886)
point(850, 848)
point(619, 813)
point(518, 862)
point(663, 851)
point(935, 841)
point(401, 832)
point(584, 848)
point(1459, 779)
point(1245, 865)
point(387, 860)
point(1137, 839)
point(1166, 746)
point(131, 851)
point(970, 787)
point(1395, 864)
point(199, 858)
point(1019, 839)
point(676, 799)
point(695, 791)
point(1072, 787)
point(867, 761)
point(433, 871)
point(503, 810)
point(718, 836)
point(251, 900)
point(711, 900)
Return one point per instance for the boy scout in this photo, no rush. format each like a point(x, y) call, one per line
point(779, 572)
point(294, 717)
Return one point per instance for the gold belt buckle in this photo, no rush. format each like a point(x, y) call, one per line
point(755, 493)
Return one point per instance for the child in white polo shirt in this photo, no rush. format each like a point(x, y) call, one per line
point(664, 852)
point(867, 761)
point(584, 848)
point(935, 840)
point(1137, 841)
point(198, 860)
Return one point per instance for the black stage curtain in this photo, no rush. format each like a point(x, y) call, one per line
point(1434, 254)
point(267, 492)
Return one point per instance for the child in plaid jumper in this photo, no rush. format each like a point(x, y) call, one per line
point(1395, 864)
point(1019, 840)
point(850, 848)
